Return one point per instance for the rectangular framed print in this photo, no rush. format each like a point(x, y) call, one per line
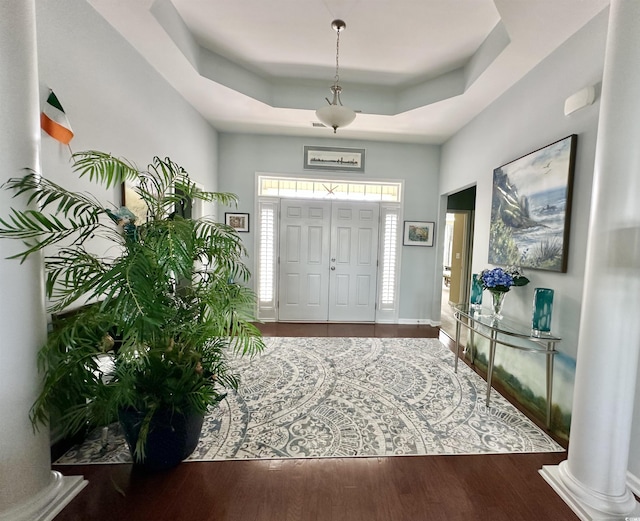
point(418, 233)
point(238, 221)
point(332, 158)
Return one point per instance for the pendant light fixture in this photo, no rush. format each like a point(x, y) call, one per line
point(335, 114)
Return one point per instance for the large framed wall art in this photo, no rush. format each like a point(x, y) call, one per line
point(531, 208)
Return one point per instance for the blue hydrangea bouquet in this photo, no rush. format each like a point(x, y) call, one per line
point(501, 279)
point(498, 281)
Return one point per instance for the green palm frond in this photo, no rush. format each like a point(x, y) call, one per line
point(72, 273)
point(157, 186)
point(221, 249)
point(69, 362)
point(174, 240)
point(190, 191)
point(39, 231)
point(104, 168)
point(73, 216)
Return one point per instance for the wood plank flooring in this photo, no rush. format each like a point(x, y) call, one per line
point(435, 488)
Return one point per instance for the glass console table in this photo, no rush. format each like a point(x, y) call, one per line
point(504, 332)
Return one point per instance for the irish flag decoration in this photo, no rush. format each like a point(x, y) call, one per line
point(54, 121)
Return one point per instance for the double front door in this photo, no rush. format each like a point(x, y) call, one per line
point(328, 261)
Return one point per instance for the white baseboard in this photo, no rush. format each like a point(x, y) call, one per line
point(585, 512)
point(48, 503)
point(402, 321)
point(72, 485)
point(633, 482)
point(418, 321)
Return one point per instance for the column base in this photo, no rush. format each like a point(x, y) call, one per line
point(583, 503)
point(49, 502)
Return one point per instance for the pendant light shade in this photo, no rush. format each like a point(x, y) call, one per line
point(336, 114)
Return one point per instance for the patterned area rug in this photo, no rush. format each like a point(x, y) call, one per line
point(345, 397)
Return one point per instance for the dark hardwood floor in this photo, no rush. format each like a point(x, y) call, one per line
point(504, 487)
point(346, 330)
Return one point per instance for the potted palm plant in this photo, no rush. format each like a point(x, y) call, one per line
point(155, 317)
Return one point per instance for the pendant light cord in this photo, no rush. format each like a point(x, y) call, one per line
point(337, 77)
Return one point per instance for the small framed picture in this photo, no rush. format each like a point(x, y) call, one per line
point(418, 233)
point(132, 200)
point(238, 221)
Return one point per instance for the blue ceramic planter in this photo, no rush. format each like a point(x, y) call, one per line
point(172, 437)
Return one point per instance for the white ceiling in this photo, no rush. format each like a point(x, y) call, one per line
point(416, 70)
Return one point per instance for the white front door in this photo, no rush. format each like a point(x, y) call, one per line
point(304, 260)
point(328, 261)
point(354, 262)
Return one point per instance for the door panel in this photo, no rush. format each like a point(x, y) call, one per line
point(292, 285)
point(304, 260)
point(363, 290)
point(315, 290)
point(342, 290)
point(458, 256)
point(292, 240)
point(316, 249)
point(343, 245)
point(354, 262)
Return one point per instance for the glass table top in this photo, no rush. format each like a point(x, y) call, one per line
point(504, 325)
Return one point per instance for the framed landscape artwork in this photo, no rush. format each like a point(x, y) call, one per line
point(331, 158)
point(531, 208)
point(238, 221)
point(418, 233)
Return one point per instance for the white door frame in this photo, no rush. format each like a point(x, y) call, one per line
point(328, 268)
point(389, 252)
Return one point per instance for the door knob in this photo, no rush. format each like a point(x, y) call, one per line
point(333, 268)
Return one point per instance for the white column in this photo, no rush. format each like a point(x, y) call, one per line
point(29, 490)
point(593, 478)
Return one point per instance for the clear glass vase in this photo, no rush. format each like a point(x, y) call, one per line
point(497, 300)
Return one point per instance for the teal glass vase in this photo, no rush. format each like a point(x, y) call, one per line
point(476, 291)
point(542, 309)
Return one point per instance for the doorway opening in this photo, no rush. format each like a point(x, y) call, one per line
point(458, 251)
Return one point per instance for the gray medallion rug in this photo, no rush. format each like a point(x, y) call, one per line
point(346, 397)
